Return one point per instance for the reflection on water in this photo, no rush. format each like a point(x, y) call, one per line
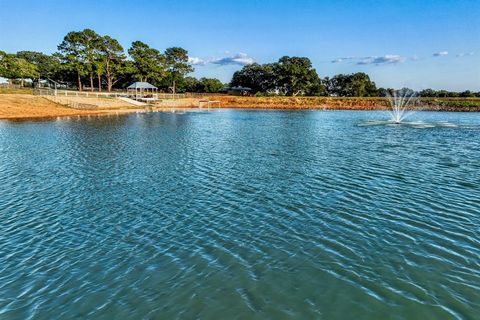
point(417, 124)
point(241, 214)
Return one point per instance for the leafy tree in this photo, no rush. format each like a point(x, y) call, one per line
point(210, 85)
point(352, 85)
point(289, 76)
point(317, 89)
point(444, 93)
point(176, 60)
point(258, 77)
point(189, 84)
point(362, 86)
point(149, 63)
point(206, 85)
point(73, 53)
point(80, 53)
point(467, 94)
point(295, 75)
point(4, 64)
point(384, 92)
point(91, 45)
point(47, 65)
point(13, 67)
point(427, 93)
point(111, 61)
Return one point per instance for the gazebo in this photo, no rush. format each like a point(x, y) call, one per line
point(143, 91)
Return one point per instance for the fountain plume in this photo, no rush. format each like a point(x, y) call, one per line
point(402, 103)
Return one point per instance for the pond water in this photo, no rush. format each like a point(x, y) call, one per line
point(238, 214)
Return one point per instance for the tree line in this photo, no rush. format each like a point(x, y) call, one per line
point(293, 76)
point(87, 58)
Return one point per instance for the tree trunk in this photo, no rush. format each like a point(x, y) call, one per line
point(91, 81)
point(99, 83)
point(21, 82)
point(79, 81)
point(10, 83)
point(109, 84)
point(108, 76)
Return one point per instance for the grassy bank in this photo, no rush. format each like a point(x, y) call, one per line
point(343, 103)
point(16, 91)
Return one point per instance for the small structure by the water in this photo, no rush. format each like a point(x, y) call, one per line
point(236, 91)
point(143, 91)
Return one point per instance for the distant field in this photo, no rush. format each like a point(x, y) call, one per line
point(16, 91)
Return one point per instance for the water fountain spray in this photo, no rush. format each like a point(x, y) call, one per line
point(401, 102)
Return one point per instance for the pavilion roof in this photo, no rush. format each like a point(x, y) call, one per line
point(141, 85)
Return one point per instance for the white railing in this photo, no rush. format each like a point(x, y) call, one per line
point(87, 94)
point(71, 104)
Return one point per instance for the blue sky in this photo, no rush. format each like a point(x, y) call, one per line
point(418, 44)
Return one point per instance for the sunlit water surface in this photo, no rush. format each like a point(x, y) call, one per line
point(238, 214)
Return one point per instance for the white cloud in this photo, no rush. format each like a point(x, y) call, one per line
point(238, 59)
point(241, 59)
point(440, 54)
point(342, 59)
point(196, 61)
point(386, 59)
point(464, 54)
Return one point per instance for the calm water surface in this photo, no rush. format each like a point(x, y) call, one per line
point(238, 214)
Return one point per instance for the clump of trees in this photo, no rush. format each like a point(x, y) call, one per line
point(16, 67)
point(290, 76)
point(448, 94)
point(85, 58)
point(293, 76)
point(207, 85)
point(350, 85)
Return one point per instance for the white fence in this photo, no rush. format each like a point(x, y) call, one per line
point(86, 94)
point(72, 104)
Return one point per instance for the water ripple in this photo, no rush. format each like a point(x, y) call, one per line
point(241, 214)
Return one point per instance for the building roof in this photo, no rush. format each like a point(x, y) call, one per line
point(141, 85)
point(240, 88)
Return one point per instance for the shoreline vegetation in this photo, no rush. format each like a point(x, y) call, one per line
point(21, 104)
point(346, 103)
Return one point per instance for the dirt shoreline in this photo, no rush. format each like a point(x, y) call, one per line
point(18, 107)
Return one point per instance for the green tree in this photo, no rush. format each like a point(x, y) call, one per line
point(47, 65)
point(176, 60)
point(189, 84)
point(295, 75)
point(361, 86)
point(427, 93)
point(13, 67)
point(111, 60)
point(149, 63)
point(258, 77)
point(210, 85)
point(73, 53)
point(352, 85)
point(79, 51)
point(91, 45)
